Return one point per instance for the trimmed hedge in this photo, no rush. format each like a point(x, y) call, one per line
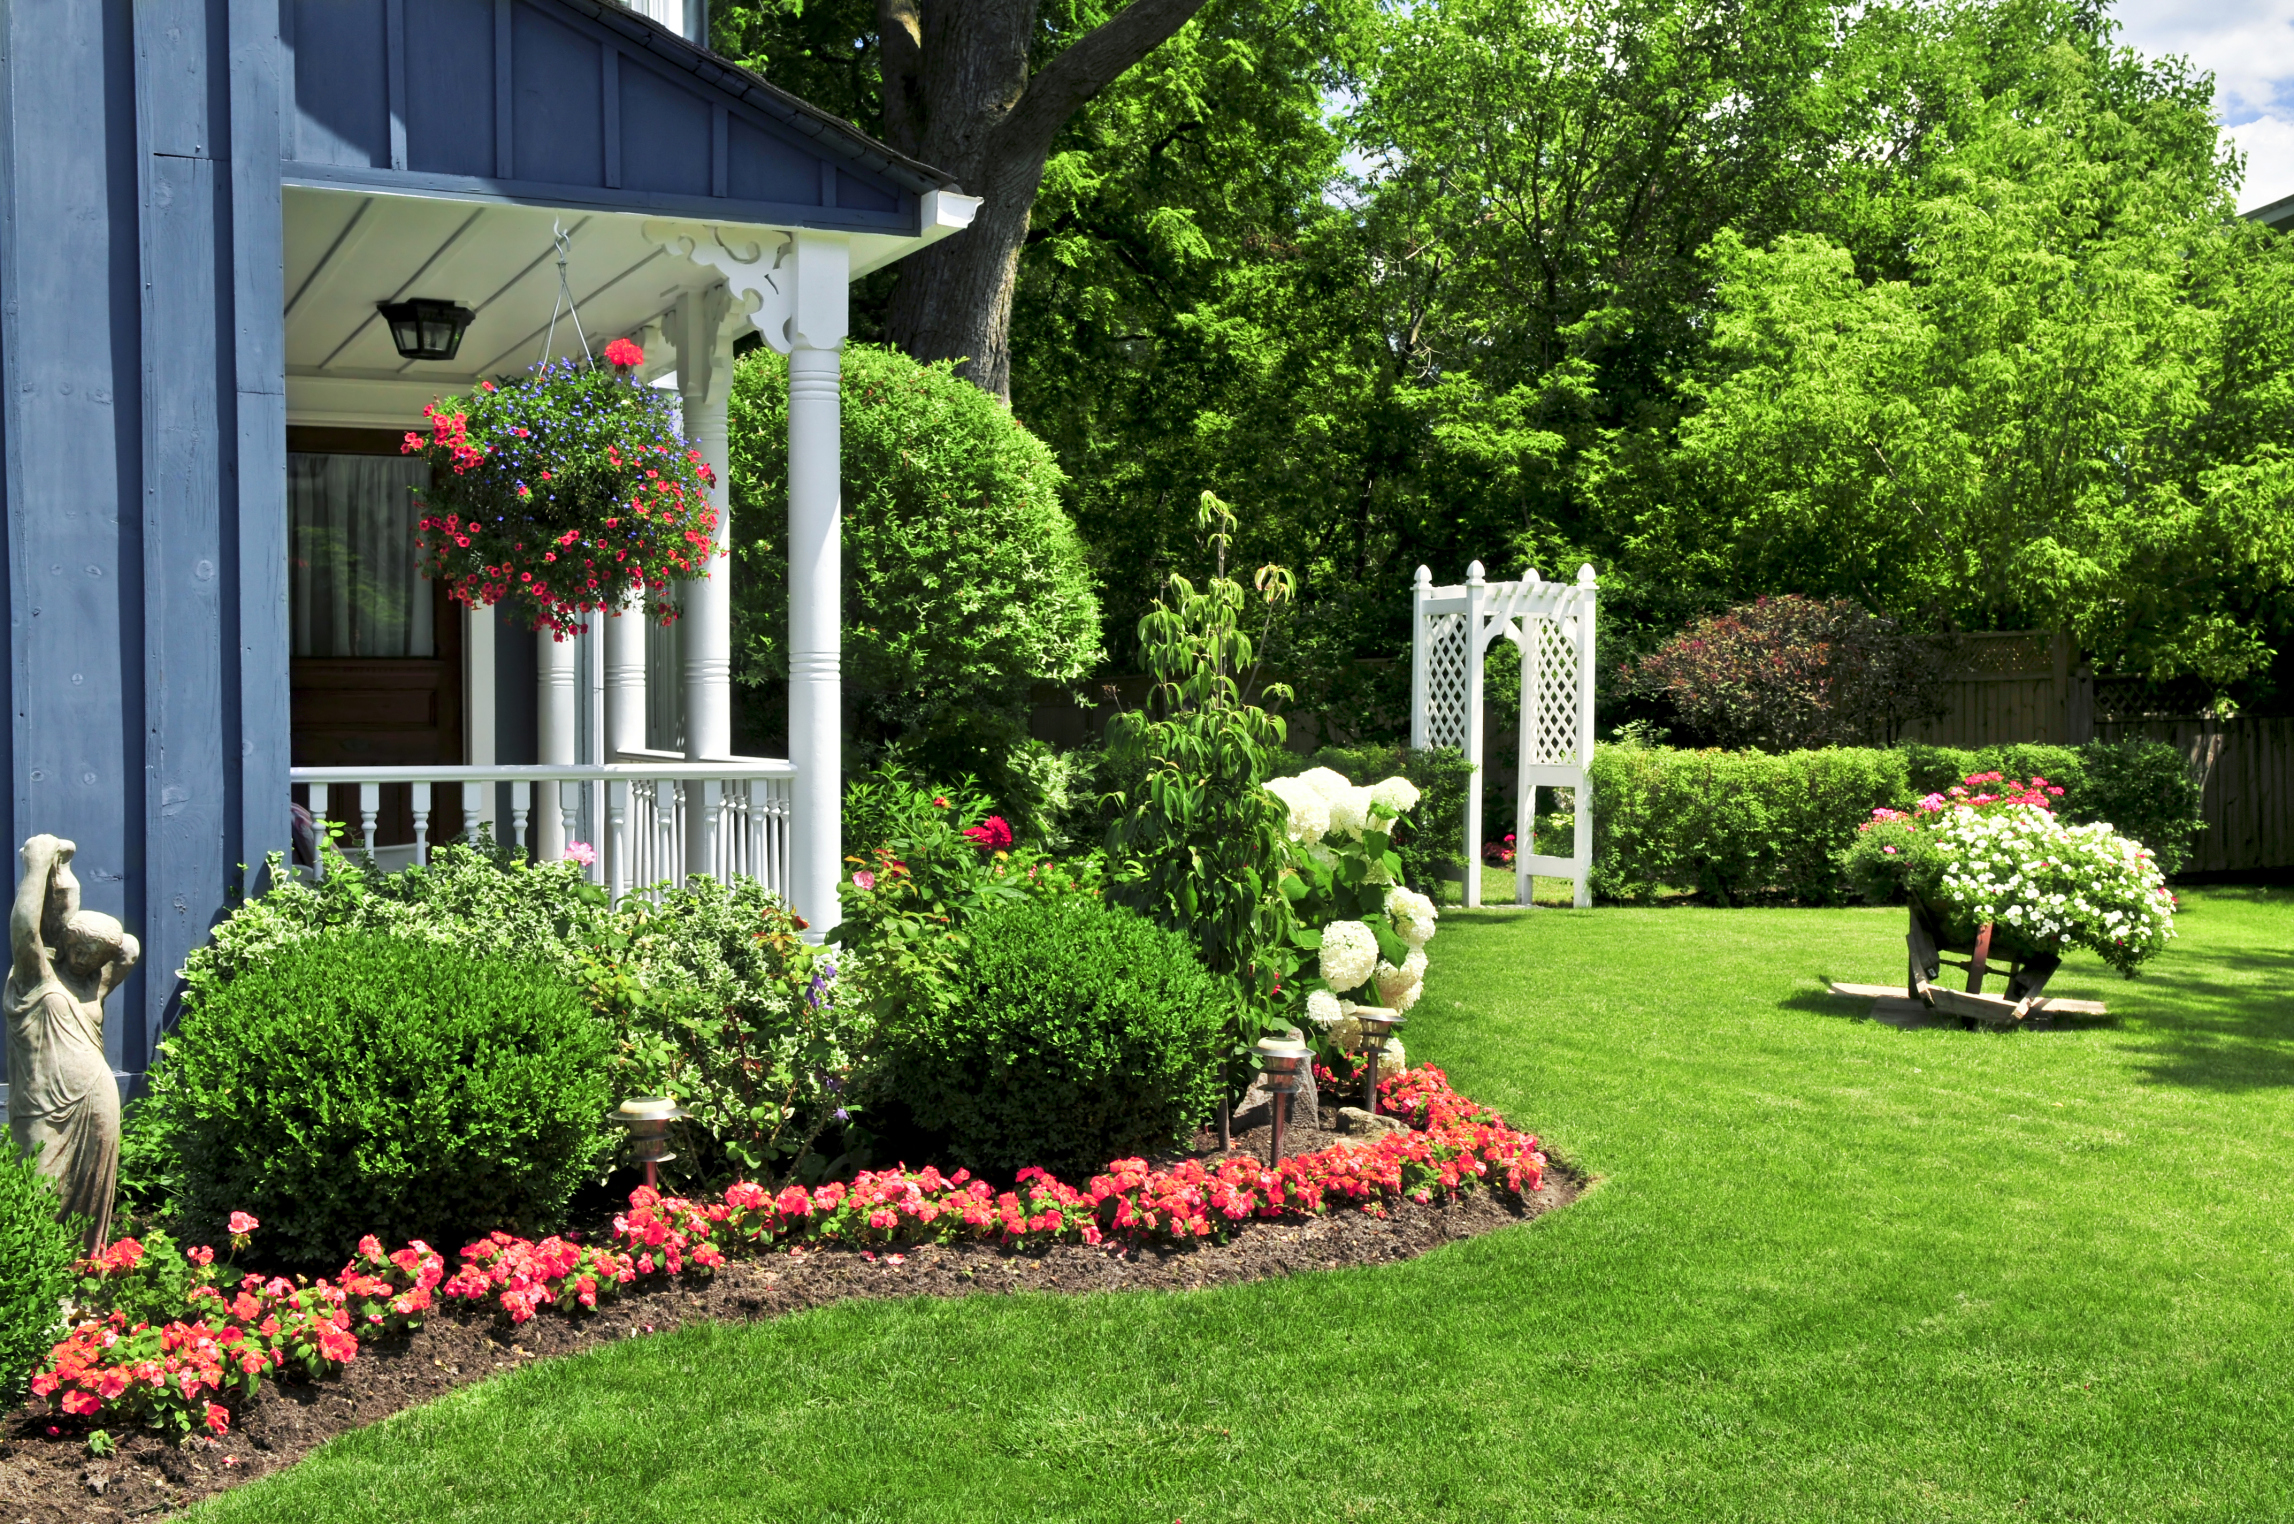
point(36, 1254)
point(1076, 1032)
point(1734, 823)
point(359, 1083)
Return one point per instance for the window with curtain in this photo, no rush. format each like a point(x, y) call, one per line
point(353, 586)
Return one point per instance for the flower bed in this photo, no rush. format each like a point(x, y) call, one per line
point(134, 1358)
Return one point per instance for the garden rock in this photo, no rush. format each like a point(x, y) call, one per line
point(1303, 1109)
point(1353, 1119)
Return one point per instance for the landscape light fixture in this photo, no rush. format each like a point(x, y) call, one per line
point(425, 328)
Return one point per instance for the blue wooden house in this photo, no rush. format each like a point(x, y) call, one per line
point(205, 206)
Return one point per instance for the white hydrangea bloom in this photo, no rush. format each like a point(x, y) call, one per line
point(1350, 812)
point(1348, 1033)
point(1349, 954)
point(1391, 1059)
point(1309, 811)
point(1398, 794)
point(1415, 964)
point(1413, 915)
point(1326, 781)
point(1398, 987)
point(1316, 852)
point(1322, 1008)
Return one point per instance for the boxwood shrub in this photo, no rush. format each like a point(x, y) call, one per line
point(36, 1254)
point(354, 1082)
point(1735, 823)
point(1076, 1033)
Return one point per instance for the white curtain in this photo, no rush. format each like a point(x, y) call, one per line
point(353, 586)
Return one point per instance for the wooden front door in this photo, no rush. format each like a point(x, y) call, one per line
point(376, 670)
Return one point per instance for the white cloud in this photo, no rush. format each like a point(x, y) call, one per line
point(2268, 143)
point(2248, 45)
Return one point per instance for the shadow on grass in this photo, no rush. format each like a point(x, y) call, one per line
point(2221, 1034)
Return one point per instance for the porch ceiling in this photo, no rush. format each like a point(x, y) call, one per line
point(346, 251)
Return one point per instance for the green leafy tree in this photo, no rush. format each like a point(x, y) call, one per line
point(1199, 846)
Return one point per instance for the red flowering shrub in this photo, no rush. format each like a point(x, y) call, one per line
point(563, 491)
point(1791, 672)
point(993, 834)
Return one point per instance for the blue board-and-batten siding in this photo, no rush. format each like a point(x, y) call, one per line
point(143, 417)
point(533, 101)
point(143, 153)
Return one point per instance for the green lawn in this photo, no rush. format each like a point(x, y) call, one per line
point(1833, 1271)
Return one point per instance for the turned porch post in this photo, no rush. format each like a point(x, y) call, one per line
point(813, 337)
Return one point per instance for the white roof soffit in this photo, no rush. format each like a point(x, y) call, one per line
point(346, 250)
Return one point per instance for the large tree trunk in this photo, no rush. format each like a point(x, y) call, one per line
point(958, 96)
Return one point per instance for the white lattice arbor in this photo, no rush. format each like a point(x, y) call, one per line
point(1552, 625)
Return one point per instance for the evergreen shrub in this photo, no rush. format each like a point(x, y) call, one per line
point(1076, 1033)
point(359, 1083)
point(36, 1254)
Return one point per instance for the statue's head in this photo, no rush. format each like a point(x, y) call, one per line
point(93, 939)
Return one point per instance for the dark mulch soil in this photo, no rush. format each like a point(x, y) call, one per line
point(47, 1476)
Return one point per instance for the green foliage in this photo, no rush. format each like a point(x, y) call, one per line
point(1197, 847)
point(714, 999)
point(1430, 844)
point(1075, 1033)
point(493, 904)
point(353, 1082)
point(965, 584)
point(888, 803)
point(1732, 823)
point(36, 1254)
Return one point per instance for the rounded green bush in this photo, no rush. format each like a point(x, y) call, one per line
point(1076, 1033)
point(36, 1254)
point(357, 1083)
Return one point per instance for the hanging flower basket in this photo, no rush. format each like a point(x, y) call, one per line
point(562, 492)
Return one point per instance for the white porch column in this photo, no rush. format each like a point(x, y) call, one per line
point(704, 344)
point(814, 334)
point(556, 737)
point(793, 288)
point(624, 680)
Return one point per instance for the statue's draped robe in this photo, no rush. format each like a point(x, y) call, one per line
point(62, 1099)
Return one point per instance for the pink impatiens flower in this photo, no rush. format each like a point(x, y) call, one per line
point(581, 852)
point(242, 1223)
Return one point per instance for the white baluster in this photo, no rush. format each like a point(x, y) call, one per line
point(672, 871)
point(617, 837)
point(473, 807)
point(319, 825)
point(709, 799)
point(369, 806)
point(569, 806)
point(421, 824)
point(521, 801)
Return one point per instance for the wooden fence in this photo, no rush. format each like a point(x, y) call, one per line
point(2026, 685)
point(2248, 769)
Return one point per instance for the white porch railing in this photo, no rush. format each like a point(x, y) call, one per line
point(661, 820)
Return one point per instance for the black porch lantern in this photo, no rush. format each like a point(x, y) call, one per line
point(426, 328)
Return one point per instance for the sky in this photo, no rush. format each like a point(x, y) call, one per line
point(2249, 47)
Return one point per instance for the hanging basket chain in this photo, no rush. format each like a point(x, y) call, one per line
point(565, 298)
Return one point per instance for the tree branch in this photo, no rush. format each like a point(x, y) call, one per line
point(1090, 65)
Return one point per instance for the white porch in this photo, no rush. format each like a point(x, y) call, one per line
point(612, 738)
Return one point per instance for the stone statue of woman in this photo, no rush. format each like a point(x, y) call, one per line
point(63, 1103)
